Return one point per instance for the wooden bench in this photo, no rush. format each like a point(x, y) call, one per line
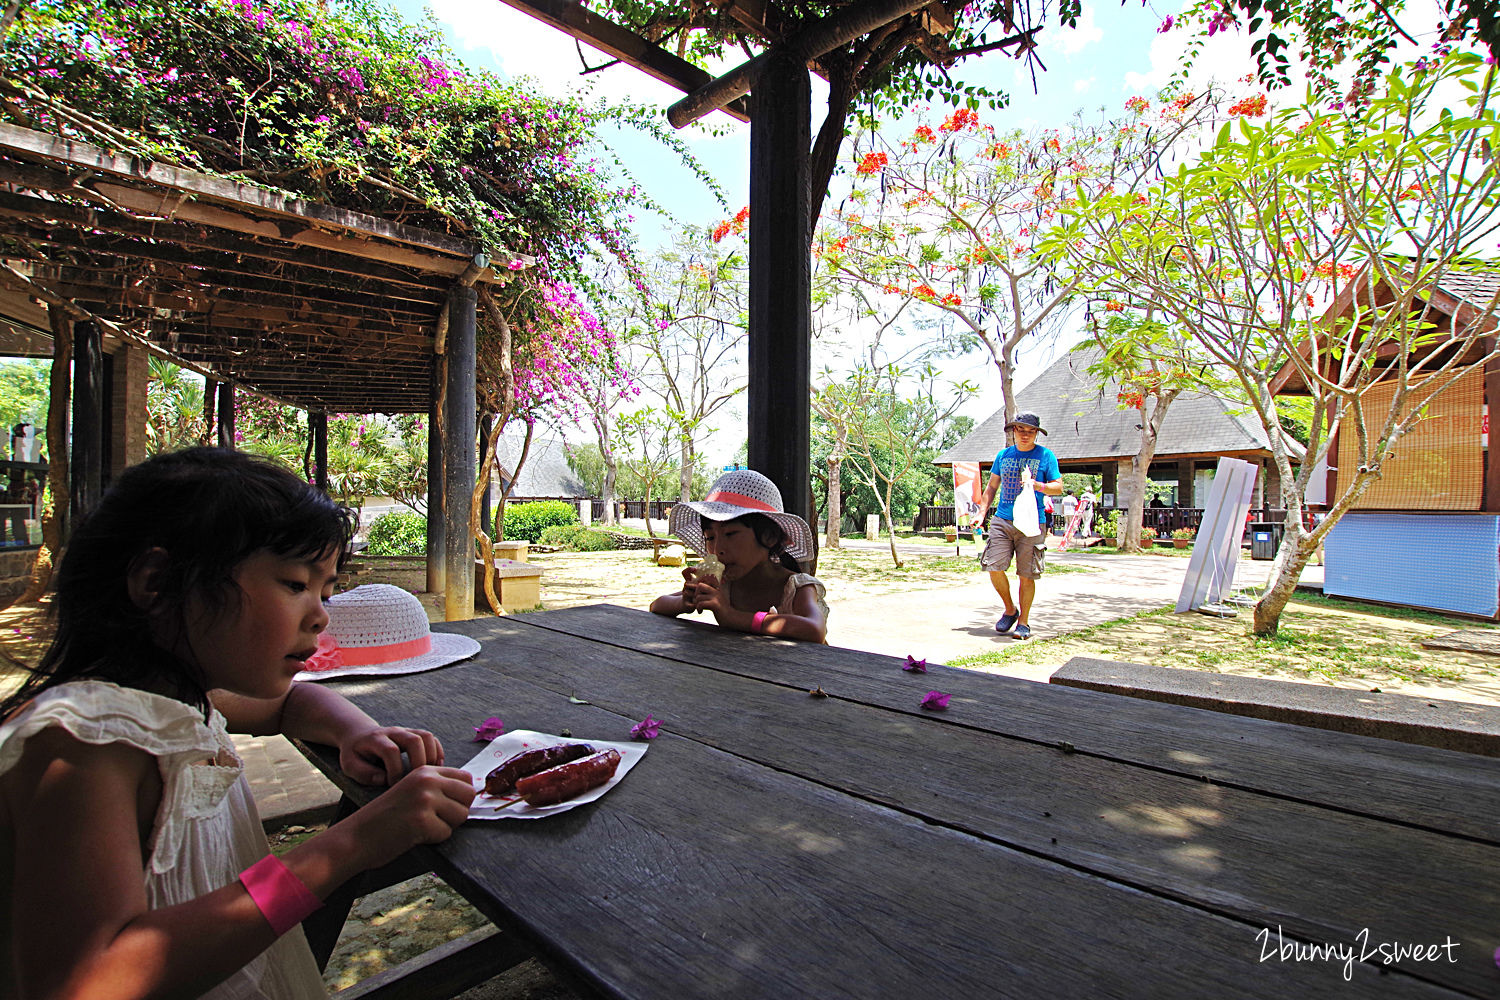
point(1451, 725)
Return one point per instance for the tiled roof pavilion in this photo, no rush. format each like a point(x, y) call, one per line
point(1090, 433)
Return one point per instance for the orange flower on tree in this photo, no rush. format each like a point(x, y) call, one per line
point(721, 231)
point(1114, 307)
point(999, 151)
point(1137, 105)
point(1250, 107)
point(923, 134)
point(952, 300)
point(872, 163)
point(924, 292)
point(963, 118)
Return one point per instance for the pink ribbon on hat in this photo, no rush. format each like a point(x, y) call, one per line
point(332, 656)
point(739, 500)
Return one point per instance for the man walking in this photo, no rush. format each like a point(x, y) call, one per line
point(1022, 463)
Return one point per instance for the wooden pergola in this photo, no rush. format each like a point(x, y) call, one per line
point(772, 91)
point(328, 310)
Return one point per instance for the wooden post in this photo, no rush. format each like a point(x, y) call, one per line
point(781, 279)
point(435, 518)
point(210, 410)
point(88, 419)
point(486, 424)
point(459, 456)
point(317, 426)
point(224, 435)
point(1185, 468)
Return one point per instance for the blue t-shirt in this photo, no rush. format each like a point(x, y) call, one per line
point(1008, 465)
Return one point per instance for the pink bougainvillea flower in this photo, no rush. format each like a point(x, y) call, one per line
point(647, 729)
point(489, 729)
point(915, 665)
point(1166, 25)
point(936, 701)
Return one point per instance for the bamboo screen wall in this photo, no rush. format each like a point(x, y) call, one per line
point(1439, 464)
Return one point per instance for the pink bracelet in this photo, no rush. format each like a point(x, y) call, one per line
point(282, 898)
point(758, 621)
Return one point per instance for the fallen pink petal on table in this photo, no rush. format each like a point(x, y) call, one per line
point(647, 729)
point(915, 665)
point(936, 700)
point(489, 729)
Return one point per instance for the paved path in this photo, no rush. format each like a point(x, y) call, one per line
point(941, 625)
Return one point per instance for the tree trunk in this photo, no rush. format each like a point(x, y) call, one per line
point(55, 502)
point(486, 544)
point(684, 472)
point(1129, 539)
point(890, 524)
point(835, 500)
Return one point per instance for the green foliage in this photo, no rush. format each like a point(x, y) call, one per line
point(594, 541)
point(561, 534)
point(397, 533)
point(587, 463)
point(24, 392)
point(1108, 524)
point(1188, 533)
point(529, 520)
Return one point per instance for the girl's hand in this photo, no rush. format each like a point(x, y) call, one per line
point(422, 808)
point(690, 588)
point(373, 756)
point(709, 598)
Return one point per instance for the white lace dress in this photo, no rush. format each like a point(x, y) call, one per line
point(207, 830)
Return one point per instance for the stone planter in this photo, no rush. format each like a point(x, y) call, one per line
point(1109, 540)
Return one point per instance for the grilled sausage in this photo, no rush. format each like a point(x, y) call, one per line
point(557, 784)
point(502, 780)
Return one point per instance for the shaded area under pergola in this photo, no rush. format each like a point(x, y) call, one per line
point(308, 304)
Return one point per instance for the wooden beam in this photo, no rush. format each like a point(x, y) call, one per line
point(317, 426)
point(437, 567)
point(583, 24)
point(16, 139)
point(176, 207)
point(840, 28)
point(224, 425)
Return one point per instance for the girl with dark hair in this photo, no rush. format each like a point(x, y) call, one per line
point(131, 855)
point(752, 580)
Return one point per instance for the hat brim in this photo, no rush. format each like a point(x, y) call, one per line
point(1034, 427)
point(446, 648)
point(682, 523)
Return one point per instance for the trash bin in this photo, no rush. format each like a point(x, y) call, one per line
point(1265, 539)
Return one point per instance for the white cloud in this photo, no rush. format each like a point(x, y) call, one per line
point(1071, 41)
point(1083, 83)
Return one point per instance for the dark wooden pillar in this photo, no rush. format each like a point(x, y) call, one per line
point(458, 455)
point(435, 517)
point(486, 424)
point(317, 428)
point(87, 460)
point(224, 426)
point(781, 279)
point(1185, 469)
point(210, 410)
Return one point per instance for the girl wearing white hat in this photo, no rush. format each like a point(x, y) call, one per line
point(758, 586)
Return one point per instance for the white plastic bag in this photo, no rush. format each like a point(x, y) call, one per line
point(1024, 514)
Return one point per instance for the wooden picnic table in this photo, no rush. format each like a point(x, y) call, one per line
point(1029, 841)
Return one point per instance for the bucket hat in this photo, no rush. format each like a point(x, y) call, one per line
point(1026, 420)
point(380, 629)
point(735, 494)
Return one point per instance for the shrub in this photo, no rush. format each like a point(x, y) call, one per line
point(562, 534)
point(594, 541)
point(397, 533)
point(1108, 525)
point(1185, 533)
point(1148, 535)
point(529, 520)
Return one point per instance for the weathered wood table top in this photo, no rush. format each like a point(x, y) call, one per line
point(1029, 841)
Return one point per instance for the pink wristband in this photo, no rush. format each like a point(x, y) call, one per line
point(282, 898)
point(758, 621)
